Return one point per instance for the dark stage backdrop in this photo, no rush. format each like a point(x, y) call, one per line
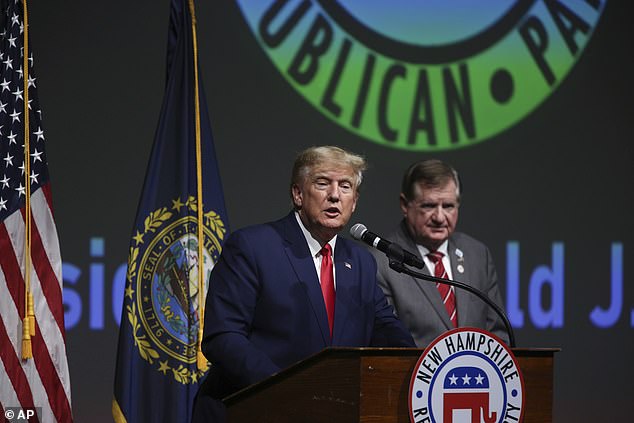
point(533, 104)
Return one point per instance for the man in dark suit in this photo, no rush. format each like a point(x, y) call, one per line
point(429, 199)
point(273, 300)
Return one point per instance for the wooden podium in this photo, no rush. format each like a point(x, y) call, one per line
point(369, 385)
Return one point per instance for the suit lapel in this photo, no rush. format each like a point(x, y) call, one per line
point(427, 287)
point(302, 262)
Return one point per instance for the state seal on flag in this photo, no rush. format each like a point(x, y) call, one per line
point(162, 288)
point(466, 375)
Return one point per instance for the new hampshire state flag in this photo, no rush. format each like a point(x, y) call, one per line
point(177, 237)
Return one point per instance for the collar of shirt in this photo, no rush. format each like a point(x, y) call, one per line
point(444, 248)
point(315, 248)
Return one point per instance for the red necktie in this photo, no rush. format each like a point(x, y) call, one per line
point(328, 284)
point(446, 291)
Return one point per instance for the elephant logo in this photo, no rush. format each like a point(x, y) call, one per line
point(467, 388)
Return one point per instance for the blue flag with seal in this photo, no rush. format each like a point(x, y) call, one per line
point(177, 238)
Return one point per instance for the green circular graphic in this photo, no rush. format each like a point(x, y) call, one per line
point(424, 76)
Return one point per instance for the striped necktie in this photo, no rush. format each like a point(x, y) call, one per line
point(446, 291)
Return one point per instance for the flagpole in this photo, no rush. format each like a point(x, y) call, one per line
point(28, 323)
point(200, 358)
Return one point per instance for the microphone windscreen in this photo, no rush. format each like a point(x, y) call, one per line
point(358, 230)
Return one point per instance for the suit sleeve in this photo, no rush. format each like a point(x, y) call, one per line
point(383, 280)
point(384, 284)
point(229, 311)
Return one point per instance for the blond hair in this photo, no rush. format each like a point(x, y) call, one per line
point(313, 157)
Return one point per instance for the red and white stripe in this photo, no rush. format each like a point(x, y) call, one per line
point(447, 292)
point(42, 381)
point(448, 297)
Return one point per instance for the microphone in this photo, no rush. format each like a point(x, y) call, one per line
point(392, 250)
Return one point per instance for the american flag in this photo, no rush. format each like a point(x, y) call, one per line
point(41, 381)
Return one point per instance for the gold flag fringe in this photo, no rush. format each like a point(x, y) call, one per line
point(27, 351)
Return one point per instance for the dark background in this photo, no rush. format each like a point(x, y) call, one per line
point(561, 175)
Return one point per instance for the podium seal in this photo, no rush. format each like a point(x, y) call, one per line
point(466, 375)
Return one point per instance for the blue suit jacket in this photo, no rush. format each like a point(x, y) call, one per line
point(265, 310)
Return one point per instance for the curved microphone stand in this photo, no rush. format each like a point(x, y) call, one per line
point(396, 257)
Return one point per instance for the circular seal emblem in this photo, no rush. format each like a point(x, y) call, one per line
point(162, 293)
point(466, 375)
point(424, 76)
